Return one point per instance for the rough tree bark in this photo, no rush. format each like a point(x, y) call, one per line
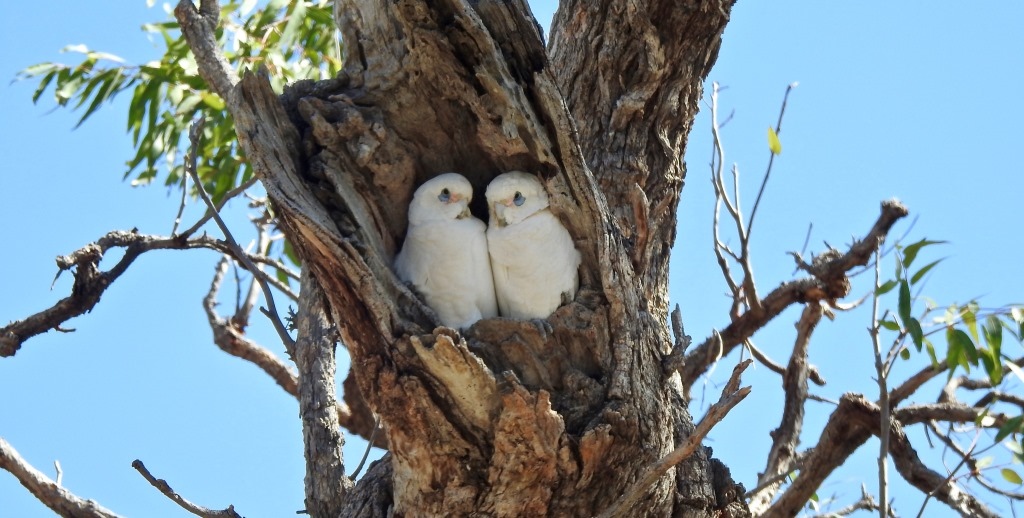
point(510, 418)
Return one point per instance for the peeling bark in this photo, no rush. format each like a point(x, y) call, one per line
point(510, 418)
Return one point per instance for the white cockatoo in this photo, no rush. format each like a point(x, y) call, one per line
point(445, 253)
point(533, 258)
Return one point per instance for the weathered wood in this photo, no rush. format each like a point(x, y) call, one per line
point(327, 485)
point(510, 418)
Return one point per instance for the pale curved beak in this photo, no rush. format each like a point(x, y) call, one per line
point(498, 212)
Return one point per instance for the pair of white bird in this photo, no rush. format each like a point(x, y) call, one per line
point(523, 266)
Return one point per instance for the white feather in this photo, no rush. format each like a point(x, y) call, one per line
point(445, 253)
point(533, 259)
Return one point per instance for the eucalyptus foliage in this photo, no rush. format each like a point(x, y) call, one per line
point(293, 40)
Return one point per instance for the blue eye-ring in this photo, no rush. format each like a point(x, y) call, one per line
point(519, 199)
point(445, 195)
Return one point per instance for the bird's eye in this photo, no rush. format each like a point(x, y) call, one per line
point(519, 199)
point(445, 195)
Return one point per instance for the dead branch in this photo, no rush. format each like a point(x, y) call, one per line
point(951, 412)
point(850, 425)
point(786, 437)
point(866, 503)
point(909, 387)
point(90, 282)
point(165, 488)
point(674, 360)
point(230, 338)
point(813, 374)
point(271, 312)
point(326, 484)
point(732, 394)
point(930, 482)
point(50, 493)
point(829, 282)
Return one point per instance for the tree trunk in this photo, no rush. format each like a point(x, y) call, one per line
point(510, 418)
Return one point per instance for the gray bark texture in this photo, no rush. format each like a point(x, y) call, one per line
point(509, 418)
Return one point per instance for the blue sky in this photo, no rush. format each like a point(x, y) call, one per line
point(910, 99)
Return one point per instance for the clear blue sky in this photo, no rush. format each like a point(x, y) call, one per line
point(908, 99)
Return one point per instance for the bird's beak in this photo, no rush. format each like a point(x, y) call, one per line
point(464, 214)
point(498, 213)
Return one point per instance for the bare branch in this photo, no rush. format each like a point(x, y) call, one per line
point(732, 394)
point(58, 499)
point(786, 437)
point(165, 488)
point(244, 186)
point(829, 283)
point(909, 387)
point(952, 412)
point(849, 427)
point(230, 339)
point(866, 503)
point(326, 484)
point(674, 360)
point(90, 282)
point(914, 471)
point(194, 133)
point(771, 159)
point(197, 25)
point(796, 464)
point(882, 375)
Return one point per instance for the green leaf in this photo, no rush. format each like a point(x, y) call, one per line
point(969, 314)
point(212, 100)
point(993, 331)
point(774, 144)
point(924, 270)
point(961, 350)
point(890, 325)
point(911, 250)
point(904, 301)
point(992, 366)
point(905, 353)
point(1011, 476)
point(930, 348)
point(45, 82)
point(916, 333)
point(37, 69)
point(1011, 426)
point(886, 287)
point(969, 348)
point(295, 20)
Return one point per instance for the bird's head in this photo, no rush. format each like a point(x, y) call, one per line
point(442, 198)
point(513, 197)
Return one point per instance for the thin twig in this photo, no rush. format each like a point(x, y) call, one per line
point(795, 465)
point(824, 284)
point(244, 186)
point(771, 158)
point(51, 494)
point(883, 398)
point(271, 310)
point(786, 436)
point(165, 488)
point(90, 282)
point(369, 446)
point(184, 196)
point(732, 394)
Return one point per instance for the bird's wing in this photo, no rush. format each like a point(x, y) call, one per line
point(534, 262)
